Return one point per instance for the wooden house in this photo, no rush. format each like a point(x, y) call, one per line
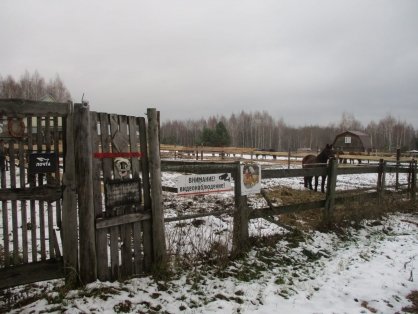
point(352, 141)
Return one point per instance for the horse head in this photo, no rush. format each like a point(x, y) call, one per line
point(327, 153)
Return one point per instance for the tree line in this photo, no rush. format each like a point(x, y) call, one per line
point(261, 130)
point(33, 87)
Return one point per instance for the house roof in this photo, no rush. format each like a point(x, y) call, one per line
point(365, 138)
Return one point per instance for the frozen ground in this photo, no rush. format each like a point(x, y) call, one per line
point(368, 270)
point(371, 272)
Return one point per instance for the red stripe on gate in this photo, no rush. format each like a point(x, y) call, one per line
point(116, 155)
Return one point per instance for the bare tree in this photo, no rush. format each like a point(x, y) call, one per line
point(33, 87)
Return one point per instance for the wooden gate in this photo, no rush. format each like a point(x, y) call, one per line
point(122, 235)
point(31, 167)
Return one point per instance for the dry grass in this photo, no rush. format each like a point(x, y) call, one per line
point(349, 213)
point(413, 297)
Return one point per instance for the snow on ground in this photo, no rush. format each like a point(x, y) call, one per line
point(368, 270)
point(371, 271)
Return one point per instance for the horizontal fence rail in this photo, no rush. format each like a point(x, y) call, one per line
point(243, 213)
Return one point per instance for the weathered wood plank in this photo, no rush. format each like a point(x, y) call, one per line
point(41, 210)
point(197, 167)
point(20, 107)
point(12, 166)
point(101, 235)
point(28, 273)
point(83, 158)
point(158, 230)
point(114, 231)
point(241, 215)
point(126, 229)
point(23, 209)
point(146, 225)
point(49, 180)
point(32, 184)
point(107, 175)
point(121, 220)
point(193, 216)
point(69, 204)
point(57, 149)
point(5, 215)
point(136, 226)
point(330, 193)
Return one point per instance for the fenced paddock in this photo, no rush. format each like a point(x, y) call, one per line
point(402, 182)
point(94, 217)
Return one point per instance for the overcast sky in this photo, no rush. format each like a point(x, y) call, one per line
point(304, 61)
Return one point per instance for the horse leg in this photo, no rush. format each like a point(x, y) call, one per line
point(310, 183)
point(323, 184)
point(316, 183)
point(305, 182)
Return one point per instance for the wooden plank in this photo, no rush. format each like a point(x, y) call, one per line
point(5, 215)
point(121, 220)
point(330, 193)
point(20, 107)
point(39, 140)
point(197, 167)
point(57, 148)
point(12, 166)
point(126, 229)
point(101, 235)
point(136, 227)
point(193, 216)
point(23, 210)
point(137, 240)
point(32, 184)
point(106, 138)
point(43, 193)
point(357, 170)
point(158, 228)
point(83, 158)
point(69, 205)
point(241, 215)
point(49, 180)
point(146, 225)
point(29, 273)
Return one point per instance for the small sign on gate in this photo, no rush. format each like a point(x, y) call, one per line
point(43, 162)
point(123, 193)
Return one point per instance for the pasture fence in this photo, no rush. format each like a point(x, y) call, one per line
point(243, 213)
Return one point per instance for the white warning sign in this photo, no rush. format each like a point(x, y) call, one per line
point(203, 183)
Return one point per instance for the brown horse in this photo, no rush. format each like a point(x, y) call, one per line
point(312, 161)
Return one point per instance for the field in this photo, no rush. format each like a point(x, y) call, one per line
point(367, 263)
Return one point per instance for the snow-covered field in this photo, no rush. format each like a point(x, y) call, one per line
point(368, 270)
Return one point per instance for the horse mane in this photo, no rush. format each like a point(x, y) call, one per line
point(325, 154)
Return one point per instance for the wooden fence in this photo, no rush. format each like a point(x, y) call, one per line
point(32, 155)
point(243, 214)
point(96, 213)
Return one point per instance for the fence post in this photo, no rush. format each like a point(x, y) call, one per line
point(84, 170)
point(398, 158)
point(241, 214)
point(158, 229)
point(69, 206)
point(330, 193)
point(147, 225)
point(381, 179)
point(413, 180)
